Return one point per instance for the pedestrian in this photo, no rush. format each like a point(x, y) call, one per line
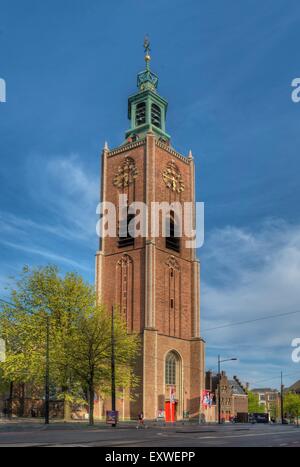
point(140, 421)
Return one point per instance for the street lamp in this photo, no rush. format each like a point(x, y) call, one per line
point(47, 372)
point(47, 367)
point(219, 386)
point(113, 367)
point(281, 399)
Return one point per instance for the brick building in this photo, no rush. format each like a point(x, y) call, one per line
point(269, 400)
point(239, 399)
point(234, 398)
point(153, 280)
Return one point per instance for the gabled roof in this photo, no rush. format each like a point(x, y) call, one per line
point(236, 388)
point(295, 386)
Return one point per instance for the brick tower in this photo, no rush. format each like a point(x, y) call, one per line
point(154, 280)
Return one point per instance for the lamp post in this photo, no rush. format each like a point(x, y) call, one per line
point(219, 385)
point(47, 372)
point(281, 398)
point(113, 366)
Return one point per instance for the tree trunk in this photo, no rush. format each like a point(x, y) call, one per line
point(67, 410)
point(22, 401)
point(91, 404)
point(10, 400)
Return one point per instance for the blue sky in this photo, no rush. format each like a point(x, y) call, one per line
point(226, 68)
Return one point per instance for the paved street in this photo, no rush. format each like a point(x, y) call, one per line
point(24, 435)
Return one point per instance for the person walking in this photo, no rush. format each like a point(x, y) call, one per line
point(141, 423)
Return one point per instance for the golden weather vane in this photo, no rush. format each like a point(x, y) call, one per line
point(147, 50)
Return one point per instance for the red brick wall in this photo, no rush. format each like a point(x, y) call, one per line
point(146, 286)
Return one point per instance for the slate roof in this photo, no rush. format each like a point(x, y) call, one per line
point(295, 386)
point(236, 388)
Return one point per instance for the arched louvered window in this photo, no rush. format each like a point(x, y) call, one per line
point(140, 114)
point(126, 239)
point(172, 241)
point(156, 115)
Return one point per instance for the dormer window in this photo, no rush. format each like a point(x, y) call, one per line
point(140, 113)
point(156, 115)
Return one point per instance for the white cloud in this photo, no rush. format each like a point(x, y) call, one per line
point(69, 192)
point(60, 226)
point(249, 275)
point(13, 225)
point(46, 254)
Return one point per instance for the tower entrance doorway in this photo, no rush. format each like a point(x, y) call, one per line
point(171, 411)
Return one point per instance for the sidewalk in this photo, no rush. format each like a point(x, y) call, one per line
point(31, 424)
point(22, 424)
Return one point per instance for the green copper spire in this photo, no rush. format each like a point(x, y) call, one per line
point(146, 109)
point(147, 79)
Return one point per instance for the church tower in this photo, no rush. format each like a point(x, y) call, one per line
point(154, 279)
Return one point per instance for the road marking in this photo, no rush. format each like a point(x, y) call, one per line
point(65, 446)
point(210, 437)
point(247, 435)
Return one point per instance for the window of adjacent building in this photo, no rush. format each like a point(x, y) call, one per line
point(156, 115)
point(140, 118)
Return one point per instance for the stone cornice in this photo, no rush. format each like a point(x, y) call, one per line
point(136, 144)
point(126, 147)
point(173, 152)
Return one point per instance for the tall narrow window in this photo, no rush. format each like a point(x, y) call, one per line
point(171, 364)
point(172, 241)
point(140, 114)
point(127, 239)
point(156, 115)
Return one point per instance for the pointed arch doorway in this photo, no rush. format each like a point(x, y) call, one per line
point(173, 386)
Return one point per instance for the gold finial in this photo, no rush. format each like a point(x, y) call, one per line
point(147, 50)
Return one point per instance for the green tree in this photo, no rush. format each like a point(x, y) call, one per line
point(42, 294)
point(253, 403)
point(80, 337)
point(291, 405)
point(89, 353)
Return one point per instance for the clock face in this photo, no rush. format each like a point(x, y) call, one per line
point(172, 178)
point(126, 175)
